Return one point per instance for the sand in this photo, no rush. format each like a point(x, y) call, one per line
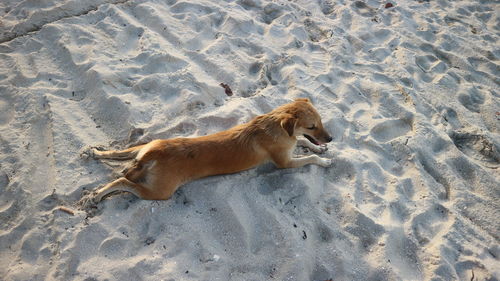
point(410, 94)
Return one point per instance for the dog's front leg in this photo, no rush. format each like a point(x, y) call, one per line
point(311, 159)
point(315, 148)
point(288, 162)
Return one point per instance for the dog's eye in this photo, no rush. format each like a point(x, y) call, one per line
point(312, 127)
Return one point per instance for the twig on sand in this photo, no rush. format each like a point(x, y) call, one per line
point(66, 210)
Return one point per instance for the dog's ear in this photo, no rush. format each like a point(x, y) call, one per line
point(303, 99)
point(288, 123)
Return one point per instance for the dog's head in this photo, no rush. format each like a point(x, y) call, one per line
point(301, 118)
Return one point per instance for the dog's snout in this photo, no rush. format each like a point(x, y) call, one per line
point(329, 138)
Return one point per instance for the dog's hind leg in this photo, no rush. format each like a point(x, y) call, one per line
point(125, 154)
point(123, 184)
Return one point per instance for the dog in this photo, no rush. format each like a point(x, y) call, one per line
point(160, 167)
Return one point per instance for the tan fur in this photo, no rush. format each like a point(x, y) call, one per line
point(161, 166)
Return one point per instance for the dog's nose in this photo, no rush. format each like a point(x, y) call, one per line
point(329, 139)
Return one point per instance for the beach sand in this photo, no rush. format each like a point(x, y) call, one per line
point(410, 93)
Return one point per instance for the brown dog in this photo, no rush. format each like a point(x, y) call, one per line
point(161, 166)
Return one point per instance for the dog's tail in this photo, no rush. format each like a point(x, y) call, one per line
point(125, 154)
point(136, 171)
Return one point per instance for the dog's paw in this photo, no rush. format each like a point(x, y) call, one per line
point(88, 200)
point(320, 148)
point(325, 162)
point(87, 153)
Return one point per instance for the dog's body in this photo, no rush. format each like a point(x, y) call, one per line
point(161, 166)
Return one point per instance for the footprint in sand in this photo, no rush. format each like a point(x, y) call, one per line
point(391, 129)
point(324, 232)
point(430, 64)
point(363, 9)
point(451, 116)
point(472, 100)
point(316, 34)
point(271, 12)
point(32, 242)
point(185, 8)
point(114, 247)
point(4, 180)
point(327, 6)
point(341, 169)
point(431, 224)
point(478, 147)
point(255, 68)
point(437, 172)
point(9, 213)
point(402, 252)
point(6, 112)
point(129, 37)
point(365, 229)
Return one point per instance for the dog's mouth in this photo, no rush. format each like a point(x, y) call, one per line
point(311, 139)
